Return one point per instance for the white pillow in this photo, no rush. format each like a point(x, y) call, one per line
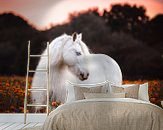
point(143, 92)
point(127, 85)
point(70, 93)
point(79, 91)
point(131, 91)
point(104, 95)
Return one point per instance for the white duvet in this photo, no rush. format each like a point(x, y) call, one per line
point(105, 114)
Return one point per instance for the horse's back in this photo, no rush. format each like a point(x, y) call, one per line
point(111, 68)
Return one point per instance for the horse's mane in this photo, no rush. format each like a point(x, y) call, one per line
point(84, 48)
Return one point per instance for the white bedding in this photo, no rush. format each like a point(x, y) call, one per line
point(115, 100)
point(105, 114)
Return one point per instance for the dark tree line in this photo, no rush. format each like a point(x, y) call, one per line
point(125, 33)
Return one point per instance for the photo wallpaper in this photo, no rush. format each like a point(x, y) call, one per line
point(128, 31)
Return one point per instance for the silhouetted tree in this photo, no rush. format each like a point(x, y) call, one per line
point(14, 36)
point(152, 33)
point(125, 18)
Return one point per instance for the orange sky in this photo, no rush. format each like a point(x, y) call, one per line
point(43, 12)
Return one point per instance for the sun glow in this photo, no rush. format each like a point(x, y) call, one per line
point(43, 13)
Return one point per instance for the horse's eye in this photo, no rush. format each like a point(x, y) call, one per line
point(78, 53)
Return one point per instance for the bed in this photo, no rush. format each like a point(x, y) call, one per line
point(104, 112)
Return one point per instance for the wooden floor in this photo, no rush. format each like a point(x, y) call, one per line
point(17, 126)
point(16, 121)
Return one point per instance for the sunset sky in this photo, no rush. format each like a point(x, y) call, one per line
point(43, 12)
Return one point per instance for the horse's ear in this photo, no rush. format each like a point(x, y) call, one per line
point(74, 36)
point(80, 36)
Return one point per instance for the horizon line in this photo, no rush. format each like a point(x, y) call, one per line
point(52, 25)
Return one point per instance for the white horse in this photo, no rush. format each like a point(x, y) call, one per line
point(71, 60)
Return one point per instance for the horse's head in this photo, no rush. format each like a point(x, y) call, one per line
point(73, 50)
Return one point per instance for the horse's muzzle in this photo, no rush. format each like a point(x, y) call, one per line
point(83, 76)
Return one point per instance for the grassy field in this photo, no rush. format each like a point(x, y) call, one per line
point(12, 93)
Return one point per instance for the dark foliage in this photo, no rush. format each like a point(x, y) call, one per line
point(124, 33)
point(14, 36)
point(125, 17)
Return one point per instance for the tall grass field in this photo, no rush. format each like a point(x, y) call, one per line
point(12, 92)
